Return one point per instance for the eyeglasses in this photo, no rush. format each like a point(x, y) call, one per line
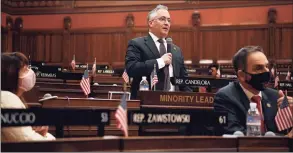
point(163, 19)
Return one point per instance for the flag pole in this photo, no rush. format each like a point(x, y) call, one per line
point(154, 74)
point(94, 71)
point(29, 59)
point(286, 96)
point(87, 96)
point(95, 64)
point(74, 62)
point(124, 87)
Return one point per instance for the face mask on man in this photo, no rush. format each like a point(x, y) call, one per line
point(27, 82)
point(258, 81)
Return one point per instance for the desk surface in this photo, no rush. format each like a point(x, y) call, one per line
point(64, 145)
point(166, 143)
point(180, 143)
point(269, 144)
point(84, 102)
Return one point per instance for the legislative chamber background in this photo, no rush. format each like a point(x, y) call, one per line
point(55, 31)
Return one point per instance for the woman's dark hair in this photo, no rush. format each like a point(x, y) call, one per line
point(11, 64)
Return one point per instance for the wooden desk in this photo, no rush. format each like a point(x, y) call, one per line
point(88, 103)
point(108, 79)
point(180, 143)
point(75, 131)
point(258, 144)
point(75, 91)
point(64, 145)
point(151, 143)
point(31, 105)
point(291, 144)
point(48, 80)
point(100, 78)
point(59, 85)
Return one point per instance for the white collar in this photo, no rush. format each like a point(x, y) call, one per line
point(155, 38)
point(248, 93)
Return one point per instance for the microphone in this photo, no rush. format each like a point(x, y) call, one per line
point(270, 134)
point(169, 47)
point(169, 44)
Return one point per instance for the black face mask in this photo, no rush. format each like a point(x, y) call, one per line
point(259, 81)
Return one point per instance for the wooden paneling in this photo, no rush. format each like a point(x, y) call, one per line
point(4, 39)
point(101, 46)
point(84, 18)
point(42, 47)
point(284, 45)
point(122, 3)
point(110, 44)
point(24, 7)
point(222, 43)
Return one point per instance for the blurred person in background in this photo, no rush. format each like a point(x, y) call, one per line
point(17, 78)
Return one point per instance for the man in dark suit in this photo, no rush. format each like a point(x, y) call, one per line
point(251, 67)
point(213, 71)
point(145, 52)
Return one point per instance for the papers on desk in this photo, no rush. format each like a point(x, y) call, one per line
point(110, 137)
point(230, 136)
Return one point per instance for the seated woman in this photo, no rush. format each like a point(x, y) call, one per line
point(17, 78)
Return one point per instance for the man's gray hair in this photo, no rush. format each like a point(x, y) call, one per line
point(153, 12)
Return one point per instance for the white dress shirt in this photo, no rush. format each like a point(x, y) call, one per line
point(18, 133)
point(160, 61)
point(250, 95)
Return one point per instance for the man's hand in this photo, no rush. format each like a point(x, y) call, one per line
point(167, 58)
point(281, 98)
point(290, 134)
point(42, 130)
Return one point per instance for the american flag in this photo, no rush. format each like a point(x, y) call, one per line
point(85, 83)
point(202, 89)
point(125, 76)
point(121, 116)
point(94, 68)
point(73, 63)
point(284, 116)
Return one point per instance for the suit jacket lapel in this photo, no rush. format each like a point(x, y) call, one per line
point(265, 103)
point(152, 46)
point(243, 98)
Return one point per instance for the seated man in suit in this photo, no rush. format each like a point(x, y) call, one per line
point(213, 71)
point(145, 52)
point(251, 67)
